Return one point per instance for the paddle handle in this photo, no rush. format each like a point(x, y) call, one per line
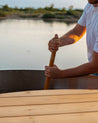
point(51, 63)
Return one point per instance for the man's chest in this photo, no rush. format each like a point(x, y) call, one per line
point(91, 22)
point(91, 28)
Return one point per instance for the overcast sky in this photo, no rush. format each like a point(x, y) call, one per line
point(43, 3)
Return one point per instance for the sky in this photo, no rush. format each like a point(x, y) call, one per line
point(43, 3)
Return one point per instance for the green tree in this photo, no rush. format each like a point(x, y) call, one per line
point(71, 7)
point(63, 9)
point(52, 6)
point(48, 15)
point(6, 7)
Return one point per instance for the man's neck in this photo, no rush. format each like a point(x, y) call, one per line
point(95, 5)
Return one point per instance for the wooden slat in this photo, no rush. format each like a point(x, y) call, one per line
point(41, 100)
point(64, 118)
point(49, 106)
point(48, 109)
point(48, 93)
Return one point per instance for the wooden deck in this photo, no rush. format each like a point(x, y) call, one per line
point(50, 106)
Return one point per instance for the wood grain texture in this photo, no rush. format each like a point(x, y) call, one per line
point(64, 118)
point(44, 100)
point(36, 110)
point(48, 93)
point(56, 106)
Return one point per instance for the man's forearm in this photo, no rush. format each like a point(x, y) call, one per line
point(84, 69)
point(66, 39)
point(72, 36)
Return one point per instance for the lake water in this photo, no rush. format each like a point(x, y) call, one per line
point(24, 45)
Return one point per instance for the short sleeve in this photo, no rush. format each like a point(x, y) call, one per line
point(82, 20)
point(96, 41)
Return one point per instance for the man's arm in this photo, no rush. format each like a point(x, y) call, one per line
point(85, 69)
point(69, 38)
point(73, 35)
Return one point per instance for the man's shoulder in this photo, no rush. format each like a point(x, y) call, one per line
point(88, 8)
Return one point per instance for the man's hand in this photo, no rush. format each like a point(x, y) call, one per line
point(53, 72)
point(54, 44)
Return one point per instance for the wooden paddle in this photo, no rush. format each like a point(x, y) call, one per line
point(52, 59)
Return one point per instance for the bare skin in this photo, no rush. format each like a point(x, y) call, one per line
point(93, 1)
point(95, 5)
point(70, 38)
point(84, 69)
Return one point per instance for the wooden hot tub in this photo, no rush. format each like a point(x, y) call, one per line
point(23, 80)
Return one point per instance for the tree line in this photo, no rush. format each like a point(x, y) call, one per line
point(46, 12)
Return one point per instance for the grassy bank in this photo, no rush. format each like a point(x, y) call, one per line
point(44, 13)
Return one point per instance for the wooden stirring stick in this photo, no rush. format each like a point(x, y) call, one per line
point(52, 59)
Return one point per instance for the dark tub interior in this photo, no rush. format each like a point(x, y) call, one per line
point(23, 80)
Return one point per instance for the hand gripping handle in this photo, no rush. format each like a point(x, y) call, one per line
point(51, 63)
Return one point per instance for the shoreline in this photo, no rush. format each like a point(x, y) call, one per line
point(48, 13)
point(67, 20)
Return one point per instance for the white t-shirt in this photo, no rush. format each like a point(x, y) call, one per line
point(89, 19)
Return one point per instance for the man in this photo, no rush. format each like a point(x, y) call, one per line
point(87, 23)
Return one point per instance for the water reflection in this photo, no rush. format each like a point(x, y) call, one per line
point(61, 21)
point(24, 45)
